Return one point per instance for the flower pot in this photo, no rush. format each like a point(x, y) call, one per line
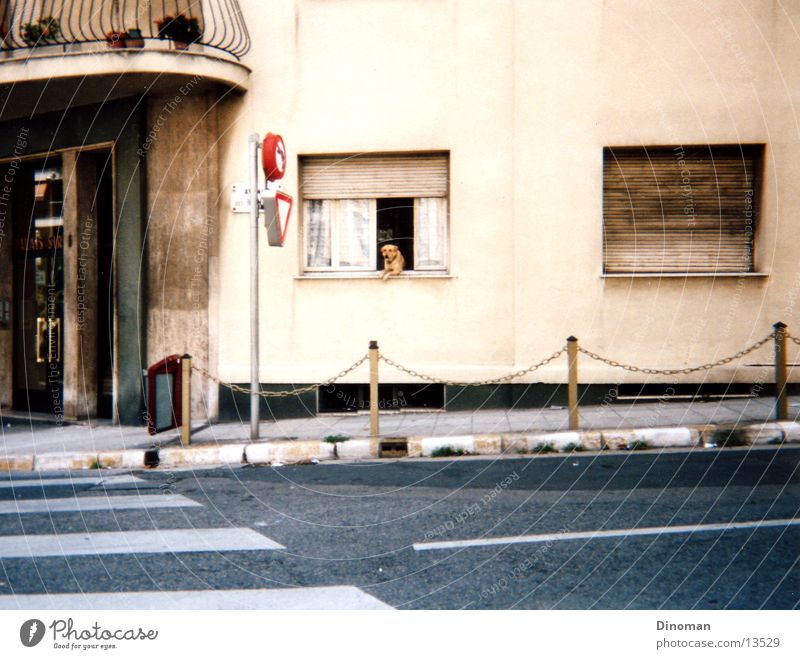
point(134, 39)
point(180, 45)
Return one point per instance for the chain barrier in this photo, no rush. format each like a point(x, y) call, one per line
point(476, 383)
point(281, 394)
point(675, 371)
point(792, 339)
point(506, 378)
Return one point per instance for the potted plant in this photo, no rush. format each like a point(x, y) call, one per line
point(37, 33)
point(116, 39)
point(181, 30)
point(134, 39)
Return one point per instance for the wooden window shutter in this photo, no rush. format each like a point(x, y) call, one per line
point(680, 209)
point(372, 176)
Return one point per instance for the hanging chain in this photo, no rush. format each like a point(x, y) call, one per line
point(450, 383)
point(506, 378)
point(675, 371)
point(281, 394)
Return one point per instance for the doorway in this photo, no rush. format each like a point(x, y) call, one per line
point(63, 285)
point(38, 253)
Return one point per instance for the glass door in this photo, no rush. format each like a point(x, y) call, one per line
point(39, 287)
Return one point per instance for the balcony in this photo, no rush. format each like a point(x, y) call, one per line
point(56, 53)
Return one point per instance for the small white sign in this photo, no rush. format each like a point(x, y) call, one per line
point(240, 198)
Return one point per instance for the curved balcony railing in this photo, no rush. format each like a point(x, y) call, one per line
point(124, 24)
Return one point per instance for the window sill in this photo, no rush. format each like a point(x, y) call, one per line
point(373, 275)
point(682, 275)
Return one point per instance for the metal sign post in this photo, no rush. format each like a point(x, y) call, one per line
point(273, 152)
point(254, 377)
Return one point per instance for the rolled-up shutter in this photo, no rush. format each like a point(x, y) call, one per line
point(679, 209)
point(374, 176)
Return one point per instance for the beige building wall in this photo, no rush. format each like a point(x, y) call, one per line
point(181, 233)
point(524, 95)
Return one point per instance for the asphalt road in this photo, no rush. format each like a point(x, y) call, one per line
point(369, 525)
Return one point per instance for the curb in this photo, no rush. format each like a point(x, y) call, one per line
point(281, 452)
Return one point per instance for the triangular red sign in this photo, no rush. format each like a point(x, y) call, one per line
point(277, 211)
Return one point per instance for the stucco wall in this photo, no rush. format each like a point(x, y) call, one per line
point(182, 174)
point(524, 95)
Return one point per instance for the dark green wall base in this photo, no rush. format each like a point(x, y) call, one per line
point(234, 406)
point(507, 396)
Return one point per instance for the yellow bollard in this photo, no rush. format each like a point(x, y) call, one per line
point(781, 401)
point(374, 423)
point(572, 382)
point(186, 399)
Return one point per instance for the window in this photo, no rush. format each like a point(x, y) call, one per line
point(353, 205)
point(680, 209)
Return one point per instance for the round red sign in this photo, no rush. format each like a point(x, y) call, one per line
point(273, 157)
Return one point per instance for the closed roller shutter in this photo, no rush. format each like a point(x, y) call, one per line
point(374, 176)
point(673, 210)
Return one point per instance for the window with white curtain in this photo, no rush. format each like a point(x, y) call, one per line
point(355, 204)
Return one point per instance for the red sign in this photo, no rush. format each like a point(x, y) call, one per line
point(273, 157)
point(277, 210)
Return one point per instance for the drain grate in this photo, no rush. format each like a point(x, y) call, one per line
point(151, 458)
point(393, 448)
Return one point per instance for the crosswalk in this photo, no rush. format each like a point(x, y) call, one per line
point(92, 497)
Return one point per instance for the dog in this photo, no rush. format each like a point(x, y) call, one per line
point(393, 261)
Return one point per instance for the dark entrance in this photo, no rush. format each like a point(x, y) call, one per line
point(38, 254)
point(63, 307)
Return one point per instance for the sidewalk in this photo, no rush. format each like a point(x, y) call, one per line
point(24, 441)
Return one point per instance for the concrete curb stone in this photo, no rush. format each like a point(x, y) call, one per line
point(127, 459)
point(429, 445)
point(652, 437)
point(357, 449)
point(65, 461)
point(288, 451)
point(300, 451)
point(200, 455)
point(560, 441)
point(764, 433)
point(16, 463)
point(791, 431)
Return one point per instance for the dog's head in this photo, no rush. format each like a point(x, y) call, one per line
point(389, 252)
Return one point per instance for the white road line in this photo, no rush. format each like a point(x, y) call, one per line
point(134, 542)
point(61, 482)
point(85, 504)
point(612, 533)
point(342, 598)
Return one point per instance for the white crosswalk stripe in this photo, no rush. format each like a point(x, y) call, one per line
point(134, 542)
point(87, 481)
point(341, 598)
point(35, 546)
point(96, 503)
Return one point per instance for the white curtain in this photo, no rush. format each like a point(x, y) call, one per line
point(431, 230)
point(318, 233)
point(354, 233)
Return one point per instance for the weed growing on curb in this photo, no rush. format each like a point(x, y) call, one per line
point(775, 440)
point(573, 447)
point(544, 447)
point(447, 451)
point(95, 464)
point(638, 445)
point(728, 437)
point(335, 439)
